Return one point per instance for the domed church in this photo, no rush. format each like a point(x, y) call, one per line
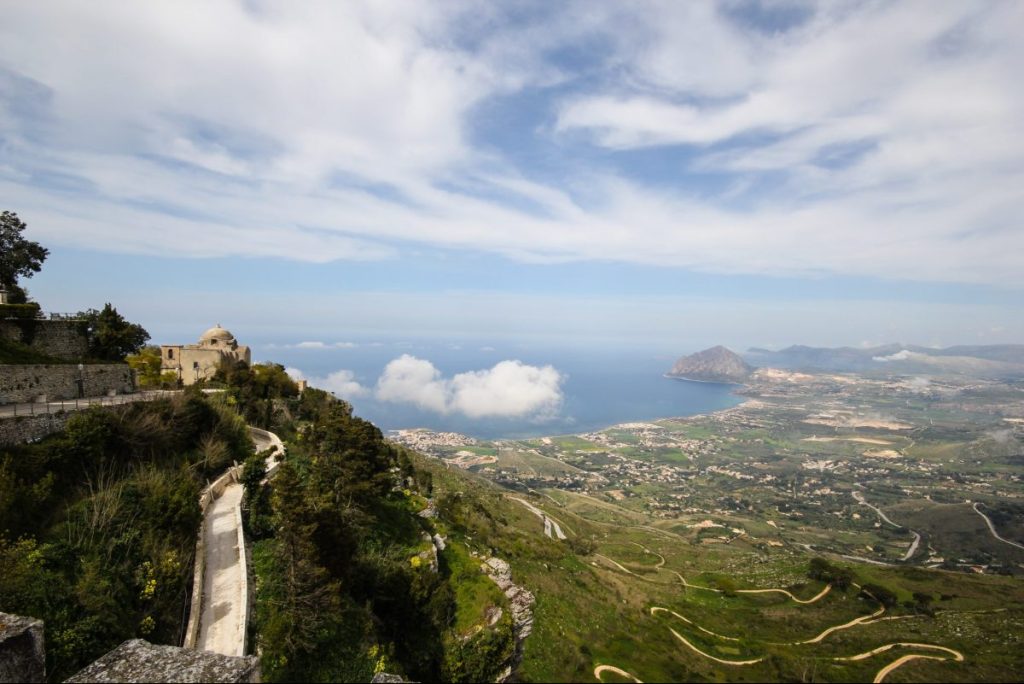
point(195, 362)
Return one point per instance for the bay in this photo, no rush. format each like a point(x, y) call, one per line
point(602, 386)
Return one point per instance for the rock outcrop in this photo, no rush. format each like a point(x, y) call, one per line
point(520, 603)
point(22, 649)
point(717, 364)
point(140, 661)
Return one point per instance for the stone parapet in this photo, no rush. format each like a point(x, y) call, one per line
point(42, 382)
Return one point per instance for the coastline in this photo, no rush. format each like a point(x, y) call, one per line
point(706, 382)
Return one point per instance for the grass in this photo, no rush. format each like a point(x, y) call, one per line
point(474, 592)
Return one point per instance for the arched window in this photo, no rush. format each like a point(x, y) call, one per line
point(170, 353)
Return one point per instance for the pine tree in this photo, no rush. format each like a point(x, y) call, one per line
point(305, 596)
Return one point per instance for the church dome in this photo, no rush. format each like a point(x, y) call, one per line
point(216, 334)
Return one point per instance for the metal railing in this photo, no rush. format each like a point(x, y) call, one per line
point(53, 316)
point(38, 408)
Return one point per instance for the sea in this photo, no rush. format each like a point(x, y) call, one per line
point(601, 385)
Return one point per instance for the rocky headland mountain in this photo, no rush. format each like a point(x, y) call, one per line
point(716, 364)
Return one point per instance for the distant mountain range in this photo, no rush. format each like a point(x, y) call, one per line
point(983, 361)
point(717, 364)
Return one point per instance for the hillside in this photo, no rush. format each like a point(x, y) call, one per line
point(981, 361)
point(368, 557)
point(716, 364)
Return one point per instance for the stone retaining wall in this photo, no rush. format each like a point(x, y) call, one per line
point(39, 382)
point(31, 428)
point(60, 339)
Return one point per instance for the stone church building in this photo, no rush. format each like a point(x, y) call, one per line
point(195, 362)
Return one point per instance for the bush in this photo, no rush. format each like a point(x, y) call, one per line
point(823, 571)
point(28, 311)
point(881, 594)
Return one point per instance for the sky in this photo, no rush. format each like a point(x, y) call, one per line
point(663, 174)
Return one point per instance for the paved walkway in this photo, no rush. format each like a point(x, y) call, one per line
point(222, 626)
point(40, 408)
point(224, 613)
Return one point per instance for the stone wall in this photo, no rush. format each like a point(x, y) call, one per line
point(60, 339)
point(37, 382)
point(22, 649)
point(30, 428)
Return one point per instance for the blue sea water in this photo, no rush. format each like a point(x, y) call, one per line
point(601, 386)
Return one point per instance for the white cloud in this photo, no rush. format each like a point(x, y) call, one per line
point(414, 381)
point(341, 383)
point(509, 389)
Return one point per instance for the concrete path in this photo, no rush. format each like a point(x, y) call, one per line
point(225, 591)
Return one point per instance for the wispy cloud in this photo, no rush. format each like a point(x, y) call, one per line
point(865, 139)
point(316, 344)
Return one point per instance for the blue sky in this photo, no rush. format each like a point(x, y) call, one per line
point(672, 174)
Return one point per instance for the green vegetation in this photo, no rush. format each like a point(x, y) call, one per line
point(263, 394)
point(28, 311)
point(99, 523)
point(146, 363)
point(111, 337)
point(348, 580)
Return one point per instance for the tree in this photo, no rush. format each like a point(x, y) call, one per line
point(111, 337)
point(18, 256)
point(146, 365)
point(823, 571)
point(304, 596)
point(256, 509)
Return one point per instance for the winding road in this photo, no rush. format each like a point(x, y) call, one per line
point(549, 523)
point(992, 528)
point(863, 620)
point(917, 538)
point(600, 669)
